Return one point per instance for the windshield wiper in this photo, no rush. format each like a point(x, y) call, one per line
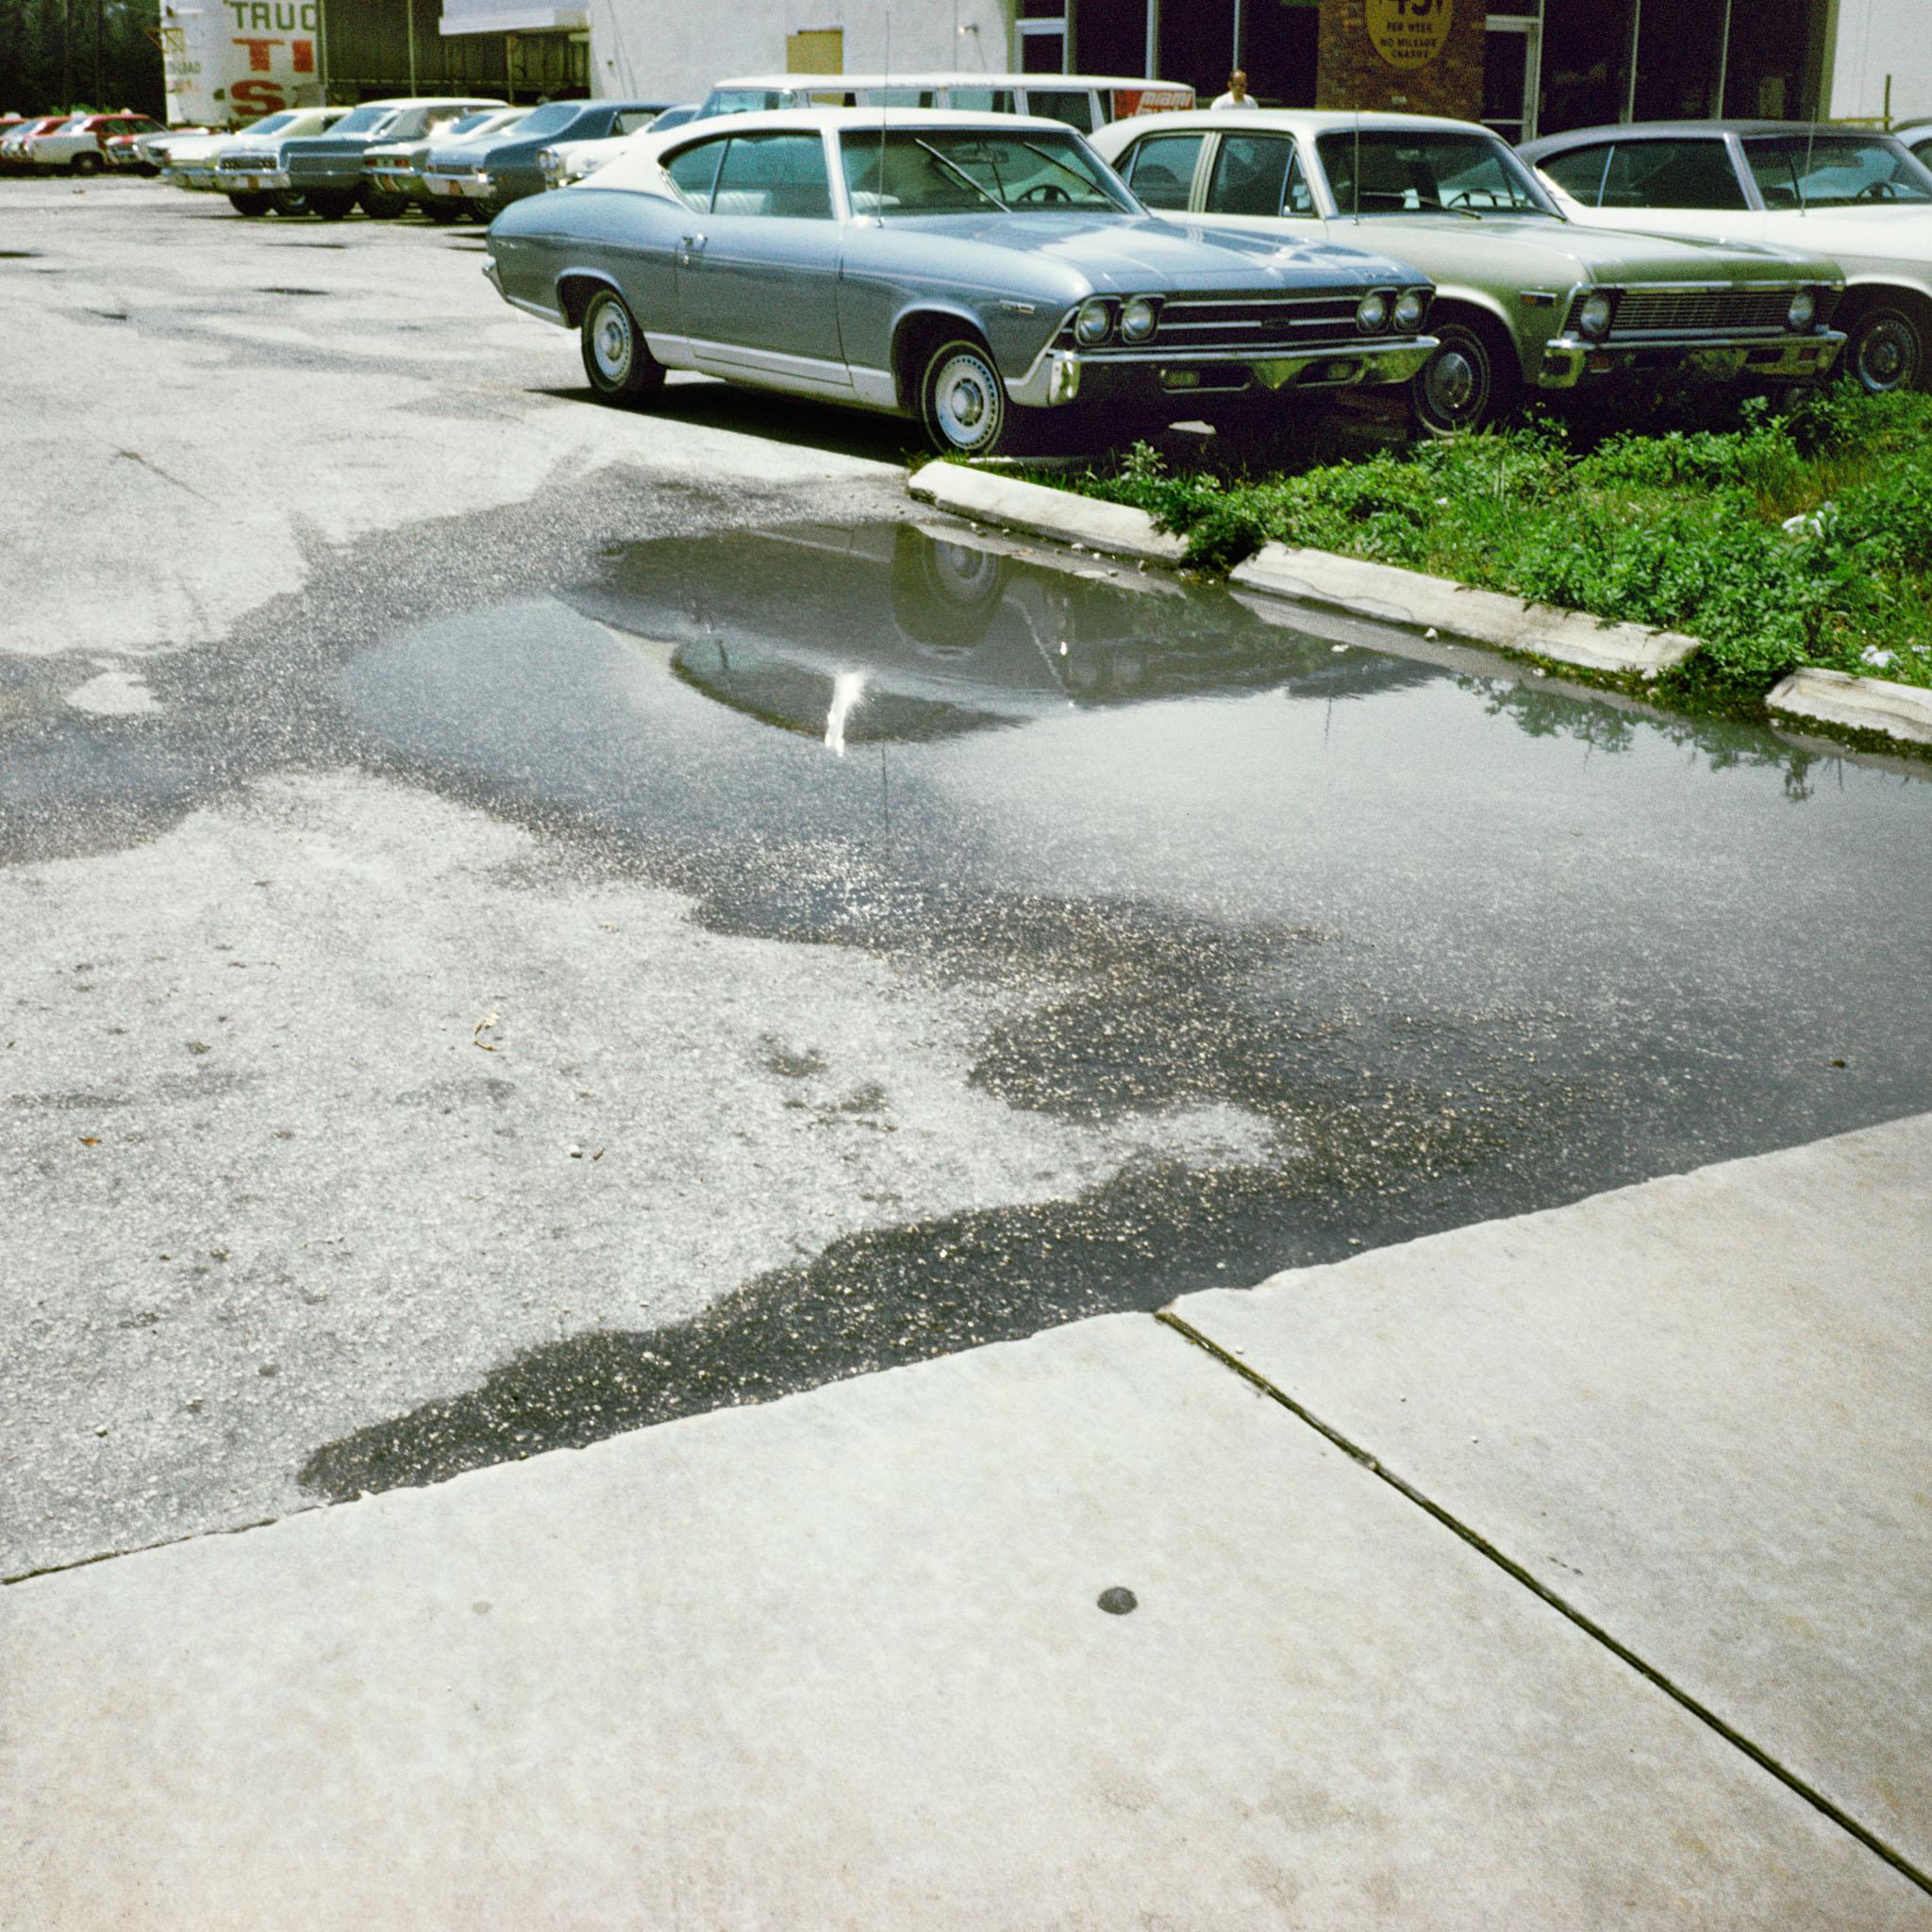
point(952, 168)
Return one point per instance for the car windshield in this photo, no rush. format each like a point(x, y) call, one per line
point(1834, 170)
point(363, 120)
point(1385, 172)
point(268, 124)
point(469, 124)
point(947, 172)
point(549, 118)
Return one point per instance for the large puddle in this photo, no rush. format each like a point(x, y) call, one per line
point(1462, 943)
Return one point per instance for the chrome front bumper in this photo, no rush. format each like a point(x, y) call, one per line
point(1571, 359)
point(1062, 376)
point(252, 181)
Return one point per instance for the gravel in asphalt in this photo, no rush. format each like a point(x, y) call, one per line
point(530, 920)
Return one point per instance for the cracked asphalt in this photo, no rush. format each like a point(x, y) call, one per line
point(526, 920)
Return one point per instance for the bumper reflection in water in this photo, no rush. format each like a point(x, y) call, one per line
point(889, 632)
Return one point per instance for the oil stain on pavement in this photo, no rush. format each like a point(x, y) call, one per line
point(1459, 946)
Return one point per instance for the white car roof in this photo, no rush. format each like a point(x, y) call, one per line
point(845, 83)
point(1304, 121)
point(640, 171)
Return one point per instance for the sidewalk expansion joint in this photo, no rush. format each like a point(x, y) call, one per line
point(1588, 1624)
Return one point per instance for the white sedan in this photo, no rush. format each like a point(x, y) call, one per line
point(1859, 197)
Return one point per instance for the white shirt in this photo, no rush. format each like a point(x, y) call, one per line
point(1229, 101)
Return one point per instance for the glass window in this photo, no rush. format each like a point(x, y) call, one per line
point(693, 170)
point(981, 100)
point(1579, 173)
point(940, 171)
point(1671, 174)
point(1074, 106)
point(777, 174)
point(1384, 173)
point(1834, 171)
point(552, 118)
point(634, 120)
point(1250, 174)
point(899, 97)
point(743, 100)
point(363, 120)
point(1161, 168)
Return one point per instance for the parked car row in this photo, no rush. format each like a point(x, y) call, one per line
point(67, 143)
point(920, 246)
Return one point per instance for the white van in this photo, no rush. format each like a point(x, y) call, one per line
point(1085, 101)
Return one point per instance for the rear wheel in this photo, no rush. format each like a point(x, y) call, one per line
point(331, 204)
point(1467, 383)
point(962, 402)
point(289, 201)
point(616, 358)
point(87, 164)
point(443, 212)
point(251, 203)
point(1884, 349)
point(380, 205)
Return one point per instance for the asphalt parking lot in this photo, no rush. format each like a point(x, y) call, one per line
point(460, 1003)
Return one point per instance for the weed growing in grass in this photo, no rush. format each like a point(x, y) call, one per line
point(1787, 539)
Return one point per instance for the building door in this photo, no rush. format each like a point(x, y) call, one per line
point(1279, 43)
point(1512, 61)
point(1042, 27)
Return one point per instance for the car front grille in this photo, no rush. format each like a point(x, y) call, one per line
point(1250, 323)
point(244, 164)
point(1719, 311)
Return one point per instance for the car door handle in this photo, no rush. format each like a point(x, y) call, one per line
point(688, 246)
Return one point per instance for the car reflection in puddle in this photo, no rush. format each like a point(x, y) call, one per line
point(894, 633)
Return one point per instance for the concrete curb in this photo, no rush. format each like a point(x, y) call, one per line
point(1114, 527)
point(1314, 577)
point(1860, 704)
point(1408, 597)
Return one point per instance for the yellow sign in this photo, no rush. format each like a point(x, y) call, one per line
point(1409, 33)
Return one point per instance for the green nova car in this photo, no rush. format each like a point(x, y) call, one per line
point(1526, 298)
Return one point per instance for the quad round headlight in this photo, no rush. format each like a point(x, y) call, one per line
point(1138, 319)
point(1798, 317)
point(1371, 312)
point(1092, 321)
point(1409, 305)
point(1593, 318)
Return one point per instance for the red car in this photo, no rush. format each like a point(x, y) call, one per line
point(79, 145)
point(13, 140)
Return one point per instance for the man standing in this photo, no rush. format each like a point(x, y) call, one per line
point(1237, 94)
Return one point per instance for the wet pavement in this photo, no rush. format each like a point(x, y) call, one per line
point(633, 938)
point(1378, 948)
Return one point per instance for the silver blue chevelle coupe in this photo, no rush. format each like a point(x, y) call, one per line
point(970, 270)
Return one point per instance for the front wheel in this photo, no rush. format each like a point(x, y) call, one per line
point(616, 358)
point(331, 204)
point(443, 212)
point(1466, 384)
point(1885, 350)
point(380, 205)
point(289, 201)
point(963, 404)
point(87, 164)
point(251, 203)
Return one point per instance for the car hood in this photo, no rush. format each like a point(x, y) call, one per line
point(323, 143)
point(1848, 234)
point(1117, 253)
point(1538, 251)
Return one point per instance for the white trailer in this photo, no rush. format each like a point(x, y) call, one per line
point(228, 61)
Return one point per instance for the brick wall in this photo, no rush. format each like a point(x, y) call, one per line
point(1351, 71)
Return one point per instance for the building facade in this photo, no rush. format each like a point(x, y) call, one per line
point(1523, 66)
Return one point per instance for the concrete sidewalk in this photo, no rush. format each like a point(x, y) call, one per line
point(842, 1660)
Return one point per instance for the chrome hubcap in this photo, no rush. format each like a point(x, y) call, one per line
point(1886, 355)
point(610, 341)
point(1454, 385)
point(966, 400)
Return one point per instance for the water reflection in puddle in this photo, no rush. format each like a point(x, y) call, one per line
point(1459, 944)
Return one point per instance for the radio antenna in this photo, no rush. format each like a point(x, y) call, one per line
point(1355, 186)
point(885, 96)
point(1810, 135)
